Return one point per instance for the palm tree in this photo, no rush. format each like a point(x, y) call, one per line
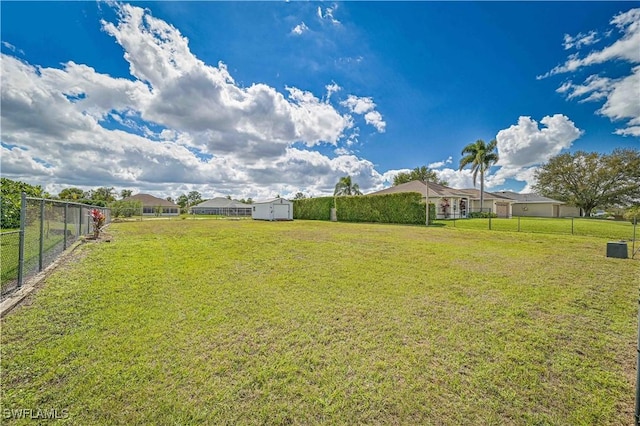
point(481, 156)
point(346, 187)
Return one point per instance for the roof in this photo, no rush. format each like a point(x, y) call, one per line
point(435, 190)
point(530, 198)
point(150, 200)
point(271, 200)
point(221, 202)
point(475, 194)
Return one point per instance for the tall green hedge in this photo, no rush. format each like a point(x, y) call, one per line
point(313, 208)
point(404, 207)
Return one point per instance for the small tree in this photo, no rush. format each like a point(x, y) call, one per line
point(97, 220)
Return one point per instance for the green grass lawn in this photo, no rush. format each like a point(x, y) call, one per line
point(618, 230)
point(10, 249)
point(246, 322)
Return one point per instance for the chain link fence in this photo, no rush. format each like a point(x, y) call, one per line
point(47, 228)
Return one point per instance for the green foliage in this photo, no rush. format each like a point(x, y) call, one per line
point(346, 186)
point(633, 214)
point(71, 194)
point(103, 194)
point(10, 195)
point(419, 173)
point(125, 193)
point(313, 208)
point(590, 180)
point(405, 208)
point(125, 208)
point(482, 215)
point(480, 156)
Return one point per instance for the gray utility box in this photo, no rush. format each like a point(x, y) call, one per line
point(617, 249)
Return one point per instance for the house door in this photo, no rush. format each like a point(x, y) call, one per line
point(556, 211)
point(463, 207)
point(280, 211)
point(502, 210)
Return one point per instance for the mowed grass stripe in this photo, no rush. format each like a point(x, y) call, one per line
point(227, 322)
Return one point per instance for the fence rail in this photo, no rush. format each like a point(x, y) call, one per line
point(47, 228)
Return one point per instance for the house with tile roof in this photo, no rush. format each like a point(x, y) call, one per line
point(451, 203)
point(532, 204)
point(154, 206)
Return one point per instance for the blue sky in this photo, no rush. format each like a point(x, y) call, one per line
point(254, 99)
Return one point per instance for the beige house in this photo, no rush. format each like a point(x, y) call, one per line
point(536, 205)
point(154, 206)
point(453, 203)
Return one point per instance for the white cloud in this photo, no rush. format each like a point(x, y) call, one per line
point(327, 14)
point(375, 119)
point(625, 48)
point(209, 134)
point(439, 164)
point(359, 105)
point(621, 94)
point(366, 106)
point(299, 29)
point(331, 89)
point(580, 40)
point(525, 144)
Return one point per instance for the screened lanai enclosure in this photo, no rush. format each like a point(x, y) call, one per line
point(222, 207)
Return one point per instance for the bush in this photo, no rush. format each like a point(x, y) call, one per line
point(313, 208)
point(125, 208)
point(10, 200)
point(405, 208)
point(633, 213)
point(482, 215)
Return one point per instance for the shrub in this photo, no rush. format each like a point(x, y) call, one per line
point(482, 215)
point(313, 208)
point(405, 208)
point(633, 213)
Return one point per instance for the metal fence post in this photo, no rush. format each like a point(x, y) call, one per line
point(41, 252)
point(23, 214)
point(572, 226)
point(66, 210)
point(518, 223)
point(489, 221)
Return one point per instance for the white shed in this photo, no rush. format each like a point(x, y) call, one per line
point(273, 209)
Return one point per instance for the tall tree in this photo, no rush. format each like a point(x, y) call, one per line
point(194, 198)
point(589, 180)
point(346, 187)
point(102, 194)
point(71, 194)
point(481, 156)
point(126, 193)
point(299, 196)
point(182, 201)
point(419, 173)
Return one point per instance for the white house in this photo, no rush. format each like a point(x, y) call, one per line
point(451, 203)
point(273, 209)
point(536, 205)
